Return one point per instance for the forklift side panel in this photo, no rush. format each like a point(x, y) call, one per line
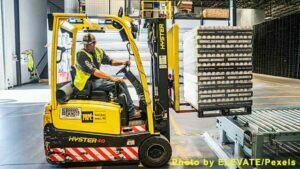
point(88, 116)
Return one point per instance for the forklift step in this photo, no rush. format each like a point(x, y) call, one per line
point(133, 129)
point(136, 122)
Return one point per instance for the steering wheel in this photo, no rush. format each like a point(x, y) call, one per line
point(123, 70)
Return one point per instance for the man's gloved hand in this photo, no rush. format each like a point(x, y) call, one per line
point(127, 63)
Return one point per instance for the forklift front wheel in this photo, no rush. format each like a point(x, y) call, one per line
point(155, 151)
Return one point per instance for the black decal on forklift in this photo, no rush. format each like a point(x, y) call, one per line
point(162, 36)
point(87, 117)
point(86, 140)
point(82, 139)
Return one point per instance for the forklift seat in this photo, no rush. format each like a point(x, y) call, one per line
point(88, 93)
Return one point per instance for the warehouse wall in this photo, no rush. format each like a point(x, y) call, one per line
point(250, 17)
point(94, 7)
point(9, 43)
point(276, 47)
point(2, 78)
point(134, 7)
point(71, 6)
point(115, 6)
point(33, 32)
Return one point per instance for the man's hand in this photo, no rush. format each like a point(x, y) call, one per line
point(120, 62)
point(127, 63)
point(115, 79)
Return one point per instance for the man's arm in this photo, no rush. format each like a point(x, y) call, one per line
point(108, 61)
point(119, 62)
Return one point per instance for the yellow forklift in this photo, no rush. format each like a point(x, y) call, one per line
point(93, 126)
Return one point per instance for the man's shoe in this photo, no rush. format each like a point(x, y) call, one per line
point(135, 115)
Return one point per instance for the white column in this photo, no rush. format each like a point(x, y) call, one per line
point(231, 13)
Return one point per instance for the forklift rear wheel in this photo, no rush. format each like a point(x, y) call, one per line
point(155, 151)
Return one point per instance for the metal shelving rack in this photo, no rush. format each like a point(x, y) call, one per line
point(82, 4)
point(156, 12)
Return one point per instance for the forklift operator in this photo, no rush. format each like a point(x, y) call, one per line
point(88, 62)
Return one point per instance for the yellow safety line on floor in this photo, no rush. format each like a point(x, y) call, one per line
point(274, 103)
point(278, 83)
point(180, 148)
point(262, 97)
point(182, 152)
point(178, 132)
point(257, 75)
point(195, 152)
point(175, 126)
point(272, 82)
point(278, 88)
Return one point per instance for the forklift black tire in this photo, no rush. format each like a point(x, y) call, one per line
point(155, 151)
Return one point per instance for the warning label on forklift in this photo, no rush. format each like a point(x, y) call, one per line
point(100, 117)
point(163, 62)
point(70, 113)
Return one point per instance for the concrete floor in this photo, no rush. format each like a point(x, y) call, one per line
point(21, 134)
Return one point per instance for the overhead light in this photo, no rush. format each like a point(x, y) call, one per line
point(67, 26)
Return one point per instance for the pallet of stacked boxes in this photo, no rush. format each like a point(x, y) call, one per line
point(218, 70)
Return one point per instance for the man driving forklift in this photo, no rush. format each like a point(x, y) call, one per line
point(88, 63)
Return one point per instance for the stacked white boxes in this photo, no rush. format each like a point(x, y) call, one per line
point(218, 70)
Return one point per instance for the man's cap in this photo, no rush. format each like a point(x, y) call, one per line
point(88, 38)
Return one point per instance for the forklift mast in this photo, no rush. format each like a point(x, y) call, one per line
point(157, 42)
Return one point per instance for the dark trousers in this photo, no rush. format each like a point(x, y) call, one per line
point(109, 86)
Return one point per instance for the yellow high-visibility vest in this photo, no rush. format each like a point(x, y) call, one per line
point(82, 77)
point(30, 62)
